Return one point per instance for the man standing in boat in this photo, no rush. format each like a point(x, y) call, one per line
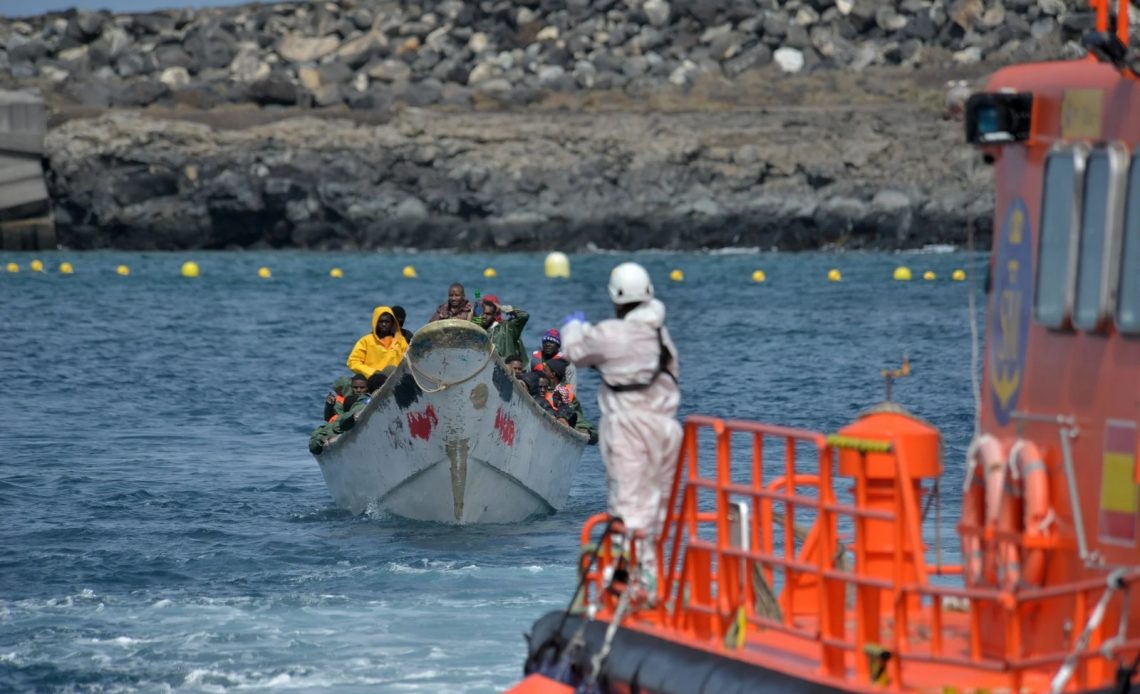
point(505, 326)
point(640, 436)
point(385, 346)
point(457, 306)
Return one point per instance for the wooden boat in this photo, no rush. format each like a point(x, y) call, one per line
point(452, 437)
point(855, 595)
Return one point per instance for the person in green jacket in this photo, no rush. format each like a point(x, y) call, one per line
point(353, 405)
point(505, 326)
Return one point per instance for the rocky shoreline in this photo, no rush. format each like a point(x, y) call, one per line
point(522, 125)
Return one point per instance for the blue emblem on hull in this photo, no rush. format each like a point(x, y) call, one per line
point(1009, 313)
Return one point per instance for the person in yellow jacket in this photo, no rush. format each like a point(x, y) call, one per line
point(384, 347)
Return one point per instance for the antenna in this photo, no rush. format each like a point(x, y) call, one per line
point(889, 375)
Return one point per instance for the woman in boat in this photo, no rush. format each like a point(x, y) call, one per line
point(385, 346)
point(640, 434)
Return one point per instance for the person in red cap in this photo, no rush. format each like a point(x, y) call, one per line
point(505, 326)
point(551, 343)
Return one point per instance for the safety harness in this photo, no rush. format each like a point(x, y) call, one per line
point(662, 368)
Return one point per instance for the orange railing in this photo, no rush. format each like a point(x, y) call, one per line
point(710, 579)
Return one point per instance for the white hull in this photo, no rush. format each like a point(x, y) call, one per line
point(453, 438)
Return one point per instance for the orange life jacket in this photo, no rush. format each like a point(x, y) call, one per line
point(569, 389)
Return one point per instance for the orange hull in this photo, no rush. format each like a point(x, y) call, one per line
point(804, 559)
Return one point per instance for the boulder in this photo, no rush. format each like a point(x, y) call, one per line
point(175, 77)
point(304, 49)
point(390, 70)
point(358, 51)
point(657, 12)
point(790, 60)
point(276, 89)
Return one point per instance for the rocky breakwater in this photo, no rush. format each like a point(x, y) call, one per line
point(499, 123)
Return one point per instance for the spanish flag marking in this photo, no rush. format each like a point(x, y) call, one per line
point(1118, 497)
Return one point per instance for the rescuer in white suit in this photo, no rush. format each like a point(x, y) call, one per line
point(639, 434)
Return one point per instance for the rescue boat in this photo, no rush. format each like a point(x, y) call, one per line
point(798, 560)
point(452, 437)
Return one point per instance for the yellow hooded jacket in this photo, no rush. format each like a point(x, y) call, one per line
point(372, 353)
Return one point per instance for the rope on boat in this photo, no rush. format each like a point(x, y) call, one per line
point(1115, 582)
point(440, 384)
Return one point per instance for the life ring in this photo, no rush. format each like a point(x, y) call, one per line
point(1024, 561)
point(985, 466)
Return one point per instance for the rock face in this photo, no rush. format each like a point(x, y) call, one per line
point(515, 181)
point(452, 62)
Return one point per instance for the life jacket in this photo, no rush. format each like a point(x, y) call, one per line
point(339, 405)
point(569, 390)
point(536, 358)
point(662, 368)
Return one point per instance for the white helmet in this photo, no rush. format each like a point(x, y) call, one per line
point(630, 284)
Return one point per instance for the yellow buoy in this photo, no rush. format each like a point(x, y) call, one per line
point(677, 276)
point(12, 267)
point(190, 269)
point(66, 269)
point(929, 275)
point(958, 275)
point(490, 272)
point(264, 273)
point(123, 270)
point(902, 274)
point(833, 275)
point(336, 272)
point(759, 276)
point(36, 265)
point(409, 271)
point(556, 265)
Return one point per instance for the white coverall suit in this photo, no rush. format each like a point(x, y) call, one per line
point(639, 434)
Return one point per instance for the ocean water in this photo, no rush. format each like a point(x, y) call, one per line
point(165, 528)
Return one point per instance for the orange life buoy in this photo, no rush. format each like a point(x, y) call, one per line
point(985, 466)
point(1030, 515)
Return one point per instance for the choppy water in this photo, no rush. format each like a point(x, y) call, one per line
point(166, 529)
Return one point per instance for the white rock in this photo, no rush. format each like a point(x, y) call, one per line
point(994, 17)
point(684, 74)
point(789, 59)
point(547, 34)
point(844, 6)
point(1054, 7)
point(478, 42)
point(657, 11)
point(525, 15)
point(806, 16)
point(481, 73)
point(53, 74)
point(247, 65)
point(968, 56)
point(360, 82)
point(310, 78)
point(438, 39)
point(175, 77)
point(73, 54)
point(390, 70)
point(304, 49)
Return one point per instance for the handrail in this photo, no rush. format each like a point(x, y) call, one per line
point(706, 579)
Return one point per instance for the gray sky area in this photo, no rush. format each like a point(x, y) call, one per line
point(21, 8)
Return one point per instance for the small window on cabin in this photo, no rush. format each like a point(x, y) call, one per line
point(1051, 300)
point(1128, 306)
point(1094, 229)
